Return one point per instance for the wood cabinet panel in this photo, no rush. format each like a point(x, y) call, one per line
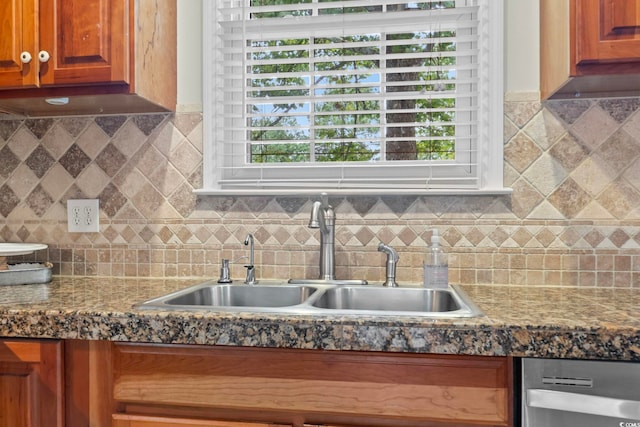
point(88, 390)
point(607, 31)
point(620, 17)
point(120, 420)
point(31, 383)
point(18, 32)
point(317, 386)
point(87, 40)
point(15, 406)
point(107, 56)
point(589, 48)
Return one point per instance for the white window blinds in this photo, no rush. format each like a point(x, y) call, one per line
point(352, 94)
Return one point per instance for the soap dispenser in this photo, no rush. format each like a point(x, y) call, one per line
point(436, 265)
point(225, 276)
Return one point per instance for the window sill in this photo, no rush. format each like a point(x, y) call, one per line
point(353, 192)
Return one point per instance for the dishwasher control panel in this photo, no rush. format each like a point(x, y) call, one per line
point(580, 393)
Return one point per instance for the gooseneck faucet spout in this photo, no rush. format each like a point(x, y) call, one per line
point(251, 272)
point(392, 260)
point(323, 217)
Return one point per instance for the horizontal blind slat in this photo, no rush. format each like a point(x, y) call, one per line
point(267, 75)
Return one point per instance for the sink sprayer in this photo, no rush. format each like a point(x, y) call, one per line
point(392, 260)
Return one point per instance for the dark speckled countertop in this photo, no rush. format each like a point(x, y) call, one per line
point(587, 323)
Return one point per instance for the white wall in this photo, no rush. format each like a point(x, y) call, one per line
point(521, 45)
point(522, 48)
point(190, 55)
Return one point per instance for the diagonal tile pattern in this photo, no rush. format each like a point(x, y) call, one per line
point(110, 124)
point(39, 127)
point(573, 165)
point(8, 128)
point(569, 152)
point(521, 152)
point(74, 160)
point(8, 201)
point(9, 162)
point(40, 161)
point(110, 160)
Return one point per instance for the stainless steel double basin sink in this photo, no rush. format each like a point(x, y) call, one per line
point(318, 299)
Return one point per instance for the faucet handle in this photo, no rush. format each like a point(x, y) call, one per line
point(313, 220)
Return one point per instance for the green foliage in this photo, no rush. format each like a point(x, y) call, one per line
point(285, 102)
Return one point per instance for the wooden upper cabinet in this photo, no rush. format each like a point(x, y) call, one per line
point(589, 48)
point(609, 31)
point(18, 41)
point(87, 41)
point(63, 42)
point(106, 56)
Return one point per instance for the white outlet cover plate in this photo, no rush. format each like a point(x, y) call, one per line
point(83, 226)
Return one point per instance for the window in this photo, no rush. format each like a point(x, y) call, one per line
point(353, 95)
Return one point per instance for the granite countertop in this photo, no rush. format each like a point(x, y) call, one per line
point(565, 322)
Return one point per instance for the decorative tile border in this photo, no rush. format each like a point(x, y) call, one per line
point(573, 218)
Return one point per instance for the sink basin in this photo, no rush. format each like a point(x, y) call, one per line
point(384, 299)
point(318, 299)
point(219, 295)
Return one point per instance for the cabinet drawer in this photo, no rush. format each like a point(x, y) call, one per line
point(317, 384)
point(120, 420)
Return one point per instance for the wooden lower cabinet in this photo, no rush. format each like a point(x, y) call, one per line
point(49, 383)
point(236, 386)
point(31, 383)
point(149, 385)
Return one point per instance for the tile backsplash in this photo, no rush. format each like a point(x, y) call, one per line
point(573, 217)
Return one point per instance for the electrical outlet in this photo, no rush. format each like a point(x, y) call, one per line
point(83, 216)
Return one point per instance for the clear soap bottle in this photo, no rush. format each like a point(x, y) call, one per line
point(436, 264)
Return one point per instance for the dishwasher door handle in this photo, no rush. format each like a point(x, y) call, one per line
point(583, 403)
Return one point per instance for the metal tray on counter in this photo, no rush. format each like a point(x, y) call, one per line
point(26, 274)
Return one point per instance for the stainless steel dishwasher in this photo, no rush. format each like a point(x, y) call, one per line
point(578, 393)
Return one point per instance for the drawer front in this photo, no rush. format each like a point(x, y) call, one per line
point(339, 384)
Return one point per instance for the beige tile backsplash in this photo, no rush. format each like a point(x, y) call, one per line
point(573, 217)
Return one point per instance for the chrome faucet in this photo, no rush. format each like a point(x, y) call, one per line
point(324, 218)
point(392, 260)
point(251, 272)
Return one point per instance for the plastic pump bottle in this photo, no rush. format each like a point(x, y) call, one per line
point(436, 265)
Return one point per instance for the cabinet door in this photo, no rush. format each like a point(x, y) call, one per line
point(18, 32)
point(31, 389)
point(120, 420)
point(87, 41)
point(607, 31)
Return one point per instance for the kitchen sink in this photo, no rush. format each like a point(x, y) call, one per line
point(226, 295)
point(318, 299)
point(384, 299)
